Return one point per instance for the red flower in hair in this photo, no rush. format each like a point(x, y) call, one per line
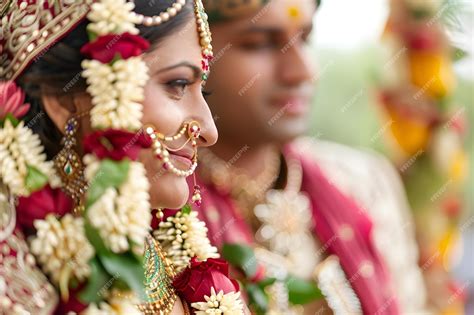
point(197, 280)
point(116, 144)
point(106, 48)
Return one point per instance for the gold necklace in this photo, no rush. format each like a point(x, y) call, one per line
point(228, 179)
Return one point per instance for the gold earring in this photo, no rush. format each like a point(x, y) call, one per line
point(69, 166)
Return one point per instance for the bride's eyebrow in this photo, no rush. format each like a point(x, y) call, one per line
point(196, 70)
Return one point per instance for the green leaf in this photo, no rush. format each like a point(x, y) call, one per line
point(35, 179)
point(9, 116)
point(258, 298)
point(95, 239)
point(98, 281)
point(92, 36)
point(459, 53)
point(301, 291)
point(127, 269)
point(110, 174)
point(117, 57)
point(266, 282)
point(186, 209)
point(241, 256)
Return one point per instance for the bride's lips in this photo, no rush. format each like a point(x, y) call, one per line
point(184, 157)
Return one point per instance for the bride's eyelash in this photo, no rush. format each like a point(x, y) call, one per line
point(178, 83)
point(178, 86)
point(206, 93)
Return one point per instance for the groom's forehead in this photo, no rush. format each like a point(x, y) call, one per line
point(228, 10)
point(278, 17)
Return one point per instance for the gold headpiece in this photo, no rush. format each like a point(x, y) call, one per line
point(27, 29)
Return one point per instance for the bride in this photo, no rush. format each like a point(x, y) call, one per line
point(101, 115)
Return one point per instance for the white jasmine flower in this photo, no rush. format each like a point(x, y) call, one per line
point(61, 247)
point(184, 236)
point(116, 91)
point(92, 165)
point(20, 147)
point(112, 17)
point(124, 215)
point(220, 303)
point(118, 303)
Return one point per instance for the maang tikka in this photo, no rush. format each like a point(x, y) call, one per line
point(161, 148)
point(69, 166)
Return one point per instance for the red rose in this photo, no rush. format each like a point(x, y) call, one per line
point(106, 47)
point(196, 281)
point(116, 144)
point(41, 203)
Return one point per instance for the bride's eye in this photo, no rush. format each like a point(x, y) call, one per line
point(178, 87)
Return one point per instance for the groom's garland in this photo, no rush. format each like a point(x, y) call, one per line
point(101, 249)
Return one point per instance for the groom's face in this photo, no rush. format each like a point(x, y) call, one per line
point(262, 75)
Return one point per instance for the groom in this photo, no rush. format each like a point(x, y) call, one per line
point(310, 207)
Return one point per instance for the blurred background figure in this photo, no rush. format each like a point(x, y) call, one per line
point(300, 215)
point(410, 97)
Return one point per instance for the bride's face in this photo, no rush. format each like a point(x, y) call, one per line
point(173, 96)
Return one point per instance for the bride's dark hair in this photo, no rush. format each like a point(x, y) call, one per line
point(58, 69)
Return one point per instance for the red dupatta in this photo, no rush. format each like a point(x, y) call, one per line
point(332, 210)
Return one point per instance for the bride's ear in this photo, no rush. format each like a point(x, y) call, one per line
point(61, 108)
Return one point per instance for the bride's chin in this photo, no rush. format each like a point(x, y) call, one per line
point(170, 192)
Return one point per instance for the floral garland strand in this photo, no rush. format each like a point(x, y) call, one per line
point(183, 236)
point(23, 165)
point(117, 211)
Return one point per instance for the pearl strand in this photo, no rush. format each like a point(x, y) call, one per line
point(160, 18)
point(162, 152)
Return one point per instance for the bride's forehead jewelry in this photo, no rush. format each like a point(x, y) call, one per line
point(205, 37)
point(203, 29)
point(160, 18)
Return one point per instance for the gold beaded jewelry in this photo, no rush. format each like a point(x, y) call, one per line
point(160, 18)
point(161, 149)
point(205, 37)
point(204, 31)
